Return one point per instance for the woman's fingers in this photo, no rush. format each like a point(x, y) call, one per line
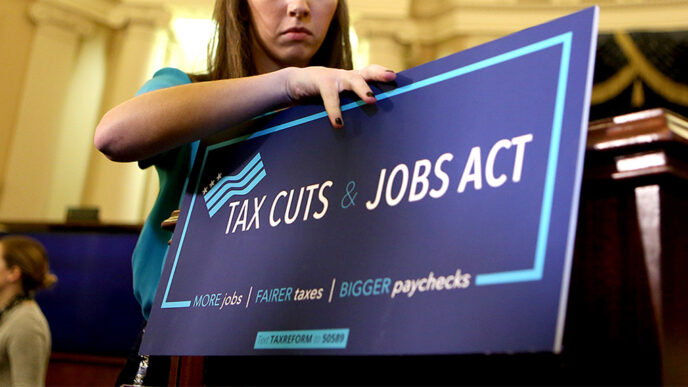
point(353, 80)
point(330, 96)
point(377, 73)
point(358, 85)
point(350, 80)
point(329, 83)
point(358, 81)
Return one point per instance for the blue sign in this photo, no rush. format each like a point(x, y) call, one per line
point(440, 220)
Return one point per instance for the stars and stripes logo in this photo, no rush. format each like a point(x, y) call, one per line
point(221, 189)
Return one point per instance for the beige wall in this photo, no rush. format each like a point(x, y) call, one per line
point(65, 62)
point(16, 34)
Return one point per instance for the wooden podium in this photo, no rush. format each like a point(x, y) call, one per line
point(627, 303)
point(627, 319)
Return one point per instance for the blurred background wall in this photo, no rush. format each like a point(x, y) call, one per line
point(63, 63)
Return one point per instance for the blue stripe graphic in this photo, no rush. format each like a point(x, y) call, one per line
point(221, 192)
point(256, 159)
point(231, 193)
point(214, 199)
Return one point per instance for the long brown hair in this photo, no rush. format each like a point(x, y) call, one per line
point(31, 257)
point(229, 52)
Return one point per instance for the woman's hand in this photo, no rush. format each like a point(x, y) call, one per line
point(328, 83)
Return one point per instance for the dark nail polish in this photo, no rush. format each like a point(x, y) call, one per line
point(338, 120)
point(370, 94)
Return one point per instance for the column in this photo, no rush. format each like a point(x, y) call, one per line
point(121, 190)
point(32, 152)
point(81, 112)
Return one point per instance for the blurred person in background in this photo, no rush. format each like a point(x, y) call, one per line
point(24, 332)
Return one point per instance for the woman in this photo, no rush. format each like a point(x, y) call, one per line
point(281, 40)
point(268, 54)
point(24, 332)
